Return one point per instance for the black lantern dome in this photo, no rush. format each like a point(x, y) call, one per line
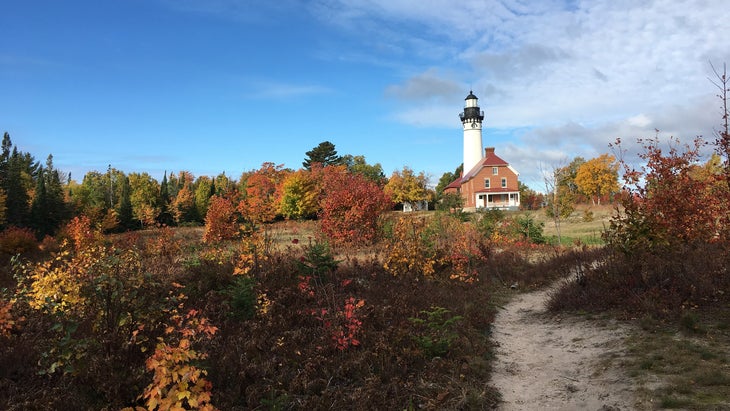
point(471, 113)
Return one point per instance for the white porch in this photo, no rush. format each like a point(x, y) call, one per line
point(507, 200)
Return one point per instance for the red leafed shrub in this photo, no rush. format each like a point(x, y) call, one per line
point(14, 240)
point(671, 201)
point(221, 221)
point(6, 318)
point(348, 326)
point(668, 244)
point(351, 207)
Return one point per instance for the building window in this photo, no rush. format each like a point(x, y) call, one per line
point(504, 182)
point(495, 170)
point(486, 183)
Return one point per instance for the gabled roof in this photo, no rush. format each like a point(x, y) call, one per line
point(489, 160)
point(454, 184)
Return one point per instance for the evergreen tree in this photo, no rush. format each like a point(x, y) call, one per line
point(164, 193)
point(21, 169)
point(124, 212)
point(165, 217)
point(39, 209)
point(48, 209)
point(7, 145)
point(324, 154)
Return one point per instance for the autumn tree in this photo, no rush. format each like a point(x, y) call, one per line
point(144, 197)
point(407, 187)
point(183, 206)
point(99, 196)
point(221, 221)
point(324, 154)
point(204, 190)
point(351, 206)
point(299, 195)
point(598, 177)
point(222, 184)
point(261, 193)
point(568, 174)
point(175, 182)
point(529, 198)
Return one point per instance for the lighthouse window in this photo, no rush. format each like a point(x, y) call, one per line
point(486, 183)
point(504, 182)
point(495, 170)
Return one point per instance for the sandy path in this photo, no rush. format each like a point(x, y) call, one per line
point(557, 362)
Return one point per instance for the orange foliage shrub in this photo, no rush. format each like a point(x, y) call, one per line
point(80, 232)
point(221, 221)
point(262, 194)
point(407, 252)
point(177, 383)
point(443, 244)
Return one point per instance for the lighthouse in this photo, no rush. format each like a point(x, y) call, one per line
point(471, 120)
point(487, 180)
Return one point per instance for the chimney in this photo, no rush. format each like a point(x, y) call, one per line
point(488, 150)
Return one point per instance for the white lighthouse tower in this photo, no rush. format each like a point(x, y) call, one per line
point(471, 119)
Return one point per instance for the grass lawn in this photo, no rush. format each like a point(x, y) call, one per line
point(584, 225)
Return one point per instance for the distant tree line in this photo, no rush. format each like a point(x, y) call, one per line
point(40, 198)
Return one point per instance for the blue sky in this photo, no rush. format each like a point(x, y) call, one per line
point(214, 86)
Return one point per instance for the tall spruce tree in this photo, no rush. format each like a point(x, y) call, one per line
point(20, 172)
point(48, 209)
point(165, 217)
point(124, 211)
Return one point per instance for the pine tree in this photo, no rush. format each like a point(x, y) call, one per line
point(324, 154)
point(124, 212)
point(18, 180)
point(165, 217)
point(7, 145)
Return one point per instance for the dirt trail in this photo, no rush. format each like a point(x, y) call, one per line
point(557, 362)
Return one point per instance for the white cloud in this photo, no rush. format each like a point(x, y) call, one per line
point(575, 74)
point(639, 120)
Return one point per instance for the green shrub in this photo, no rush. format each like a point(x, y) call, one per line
point(438, 331)
point(243, 297)
point(318, 261)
